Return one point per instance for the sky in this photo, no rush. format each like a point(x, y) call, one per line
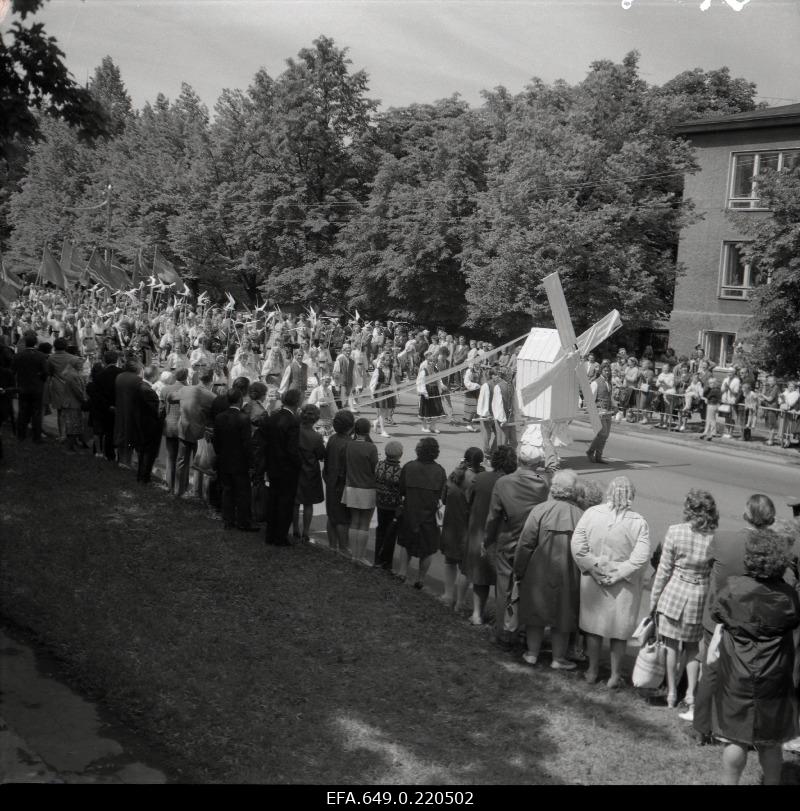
point(418, 51)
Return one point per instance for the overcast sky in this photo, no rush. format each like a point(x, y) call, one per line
point(423, 50)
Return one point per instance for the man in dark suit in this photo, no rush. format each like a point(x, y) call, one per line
point(233, 446)
point(30, 368)
point(280, 437)
point(147, 424)
point(222, 401)
point(195, 404)
point(126, 385)
point(107, 395)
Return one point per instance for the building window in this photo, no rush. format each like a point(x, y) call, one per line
point(719, 348)
point(738, 277)
point(747, 166)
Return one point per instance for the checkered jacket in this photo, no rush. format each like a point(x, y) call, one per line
point(681, 582)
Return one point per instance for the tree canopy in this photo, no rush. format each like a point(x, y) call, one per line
point(298, 190)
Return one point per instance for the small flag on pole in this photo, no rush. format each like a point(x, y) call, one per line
point(51, 270)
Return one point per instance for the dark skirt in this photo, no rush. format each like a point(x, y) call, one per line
point(385, 402)
point(431, 406)
point(454, 526)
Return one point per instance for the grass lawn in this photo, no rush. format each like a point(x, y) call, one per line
point(248, 663)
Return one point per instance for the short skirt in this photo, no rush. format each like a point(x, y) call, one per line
point(359, 498)
point(679, 631)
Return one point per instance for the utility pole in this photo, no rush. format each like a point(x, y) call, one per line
point(108, 223)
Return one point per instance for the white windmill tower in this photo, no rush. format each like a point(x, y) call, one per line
point(550, 366)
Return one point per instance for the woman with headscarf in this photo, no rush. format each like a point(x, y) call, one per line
point(455, 521)
point(422, 487)
point(611, 545)
point(334, 472)
point(309, 484)
point(476, 567)
point(361, 459)
point(549, 580)
point(680, 587)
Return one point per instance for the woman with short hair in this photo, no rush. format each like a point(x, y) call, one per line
point(680, 587)
point(361, 459)
point(549, 580)
point(422, 487)
point(309, 484)
point(755, 702)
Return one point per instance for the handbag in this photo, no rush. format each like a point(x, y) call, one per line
point(645, 630)
point(713, 646)
point(511, 619)
point(724, 408)
point(650, 667)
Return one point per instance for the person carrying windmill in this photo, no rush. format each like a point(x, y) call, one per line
point(601, 390)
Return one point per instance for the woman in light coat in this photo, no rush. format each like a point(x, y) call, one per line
point(611, 545)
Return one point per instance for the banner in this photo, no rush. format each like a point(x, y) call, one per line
point(51, 271)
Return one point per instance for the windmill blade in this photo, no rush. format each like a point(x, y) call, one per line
point(588, 397)
point(561, 367)
point(598, 332)
point(558, 306)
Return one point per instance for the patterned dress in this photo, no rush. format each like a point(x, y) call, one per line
point(681, 583)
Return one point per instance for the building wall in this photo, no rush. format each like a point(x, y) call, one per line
point(698, 307)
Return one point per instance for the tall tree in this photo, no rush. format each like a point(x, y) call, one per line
point(108, 89)
point(403, 253)
point(774, 328)
point(587, 182)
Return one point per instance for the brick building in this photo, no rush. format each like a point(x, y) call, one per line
point(711, 299)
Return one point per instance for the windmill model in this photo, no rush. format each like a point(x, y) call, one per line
point(550, 366)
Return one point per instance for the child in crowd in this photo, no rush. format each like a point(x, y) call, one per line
point(750, 404)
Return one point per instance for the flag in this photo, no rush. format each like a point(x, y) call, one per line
point(119, 277)
point(8, 293)
point(7, 277)
point(165, 271)
point(72, 266)
point(98, 270)
point(51, 271)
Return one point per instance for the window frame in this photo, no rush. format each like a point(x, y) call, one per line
point(706, 342)
point(753, 200)
point(728, 246)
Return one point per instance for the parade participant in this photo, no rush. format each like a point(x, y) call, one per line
point(201, 359)
point(72, 399)
point(486, 420)
point(422, 486)
point(381, 386)
point(295, 376)
point(254, 408)
point(502, 408)
point(430, 401)
point(472, 386)
point(601, 391)
point(322, 396)
point(273, 366)
point(344, 379)
point(611, 544)
point(549, 579)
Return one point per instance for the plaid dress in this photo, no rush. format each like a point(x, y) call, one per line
point(681, 583)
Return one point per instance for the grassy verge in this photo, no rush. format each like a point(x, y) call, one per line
point(249, 663)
